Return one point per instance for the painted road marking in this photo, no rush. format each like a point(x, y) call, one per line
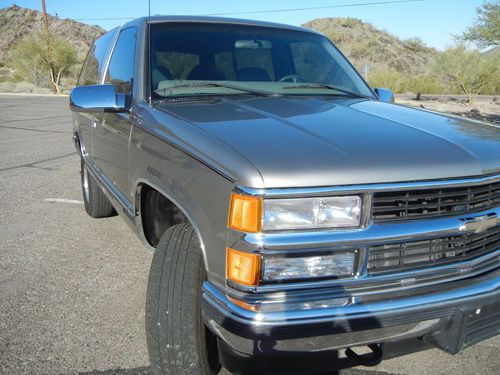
point(59, 200)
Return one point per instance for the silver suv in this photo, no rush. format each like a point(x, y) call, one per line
point(293, 211)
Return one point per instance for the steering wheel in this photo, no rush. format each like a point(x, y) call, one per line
point(291, 78)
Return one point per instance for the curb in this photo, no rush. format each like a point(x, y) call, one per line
point(32, 94)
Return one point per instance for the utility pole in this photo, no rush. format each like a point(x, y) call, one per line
point(49, 47)
point(366, 71)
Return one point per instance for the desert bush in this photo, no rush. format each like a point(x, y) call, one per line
point(31, 60)
point(359, 50)
point(7, 87)
point(423, 83)
point(41, 90)
point(24, 87)
point(406, 83)
point(338, 37)
point(5, 74)
point(386, 77)
point(415, 45)
point(470, 72)
point(351, 22)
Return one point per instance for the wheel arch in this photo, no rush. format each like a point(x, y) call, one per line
point(145, 187)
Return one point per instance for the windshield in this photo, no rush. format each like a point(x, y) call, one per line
point(187, 57)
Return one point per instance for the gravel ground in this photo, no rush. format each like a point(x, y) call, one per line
point(485, 108)
point(72, 288)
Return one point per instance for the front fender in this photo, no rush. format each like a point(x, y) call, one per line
point(198, 191)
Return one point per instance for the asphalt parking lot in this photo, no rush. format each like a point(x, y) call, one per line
point(72, 288)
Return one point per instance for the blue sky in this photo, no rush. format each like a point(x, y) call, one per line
point(432, 20)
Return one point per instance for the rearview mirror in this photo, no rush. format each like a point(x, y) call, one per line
point(97, 98)
point(253, 44)
point(384, 95)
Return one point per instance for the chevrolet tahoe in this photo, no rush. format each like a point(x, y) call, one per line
point(294, 212)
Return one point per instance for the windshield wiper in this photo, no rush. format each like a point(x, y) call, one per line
point(326, 86)
point(216, 84)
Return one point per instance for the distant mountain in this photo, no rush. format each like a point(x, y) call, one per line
point(363, 43)
point(17, 22)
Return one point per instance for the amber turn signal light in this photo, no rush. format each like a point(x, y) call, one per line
point(243, 268)
point(245, 213)
point(243, 305)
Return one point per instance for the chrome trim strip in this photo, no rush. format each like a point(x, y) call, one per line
point(227, 308)
point(345, 189)
point(386, 282)
point(375, 234)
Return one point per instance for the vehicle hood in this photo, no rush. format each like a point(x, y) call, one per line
point(326, 141)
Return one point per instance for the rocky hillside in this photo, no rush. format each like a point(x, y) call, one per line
point(16, 23)
point(362, 43)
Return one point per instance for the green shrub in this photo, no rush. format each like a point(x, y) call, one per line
point(468, 71)
point(385, 77)
point(415, 45)
point(351, 22)
point(406, 83)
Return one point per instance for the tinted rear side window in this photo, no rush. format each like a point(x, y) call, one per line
point(121, 65)
point(95, 61)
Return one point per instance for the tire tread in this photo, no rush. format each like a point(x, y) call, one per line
point(173, 320)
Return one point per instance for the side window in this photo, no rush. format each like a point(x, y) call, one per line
point(94, 62)
point(121, 65)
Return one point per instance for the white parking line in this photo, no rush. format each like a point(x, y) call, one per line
point(59, 200)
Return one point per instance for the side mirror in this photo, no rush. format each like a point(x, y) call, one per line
point(97, 98)
point(385, 95)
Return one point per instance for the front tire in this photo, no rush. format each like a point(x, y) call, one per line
point(178, 341)
point(96, 203)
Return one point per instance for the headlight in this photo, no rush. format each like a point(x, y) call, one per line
point(275, 268)
point(249, 268)
point(312, 213)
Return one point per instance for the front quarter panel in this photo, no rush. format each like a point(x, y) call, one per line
point(199, 191)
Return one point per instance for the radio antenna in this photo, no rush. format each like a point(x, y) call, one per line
point(149, 69)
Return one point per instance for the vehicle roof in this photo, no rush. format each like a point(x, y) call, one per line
point(216, 20)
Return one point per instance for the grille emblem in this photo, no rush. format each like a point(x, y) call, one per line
point(479, 224)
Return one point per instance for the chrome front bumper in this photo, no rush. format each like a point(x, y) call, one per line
point(330, 314)
point(345, 326)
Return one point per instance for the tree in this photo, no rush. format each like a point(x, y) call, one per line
point(486, 29)
point(30, 57)
point(31, 69)
point(468, 71)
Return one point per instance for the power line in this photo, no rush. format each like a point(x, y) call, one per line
point(270, 11)
point(104, 19)
point(314, 8)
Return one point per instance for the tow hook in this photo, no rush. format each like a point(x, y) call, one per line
point(370, 359)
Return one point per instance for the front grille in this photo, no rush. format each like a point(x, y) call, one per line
point(416, 254)
point(428, 203)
